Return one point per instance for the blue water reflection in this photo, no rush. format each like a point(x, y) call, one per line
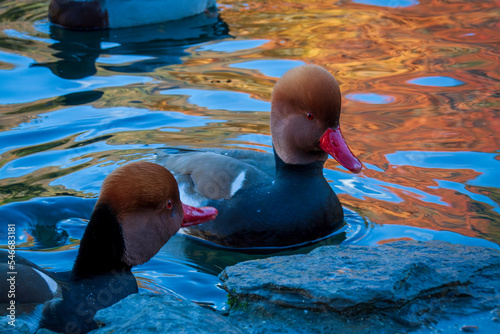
point(270, 67)
point(487, 164)
point(121, 59)
point(362, 188)
point(436, 81)
point(88, 180)
point(370, 166)
point(389, 3)
point(380, 234)
point(21, 35)
point(63, 159)
point(221, 100)
point(372, 98)
point(40, 83)
point(252, 141)
point(254, 138)
point(461, 188)
point(89, 122)
point(233, 46)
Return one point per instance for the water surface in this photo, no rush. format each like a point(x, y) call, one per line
point(420, 82)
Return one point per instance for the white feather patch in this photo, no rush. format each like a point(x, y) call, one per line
point(237, 183)
point(187, 196)
point(50, 282)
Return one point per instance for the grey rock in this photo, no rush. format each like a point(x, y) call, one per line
point(390, 288)
point(401, 287)
point(45, 331)
point(21, 327)
point(160, 313)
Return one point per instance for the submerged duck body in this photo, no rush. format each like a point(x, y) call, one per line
point(280, 203)
point(104, 14)
point(139, 209)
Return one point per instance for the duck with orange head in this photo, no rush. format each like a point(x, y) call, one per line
point(291, 205)
point(138, 211)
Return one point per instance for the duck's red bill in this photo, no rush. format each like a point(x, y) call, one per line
point(195, 216)
point(333, 143)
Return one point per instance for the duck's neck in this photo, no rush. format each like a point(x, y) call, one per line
point(290, 171)
point(102, 246)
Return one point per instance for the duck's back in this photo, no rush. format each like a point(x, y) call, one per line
point(217, 175)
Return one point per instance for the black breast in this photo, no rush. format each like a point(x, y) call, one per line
point(298, 207)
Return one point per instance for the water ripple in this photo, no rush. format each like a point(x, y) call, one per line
point(436, 81)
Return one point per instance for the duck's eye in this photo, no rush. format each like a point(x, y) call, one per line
point(310, 116)
point(170, 204)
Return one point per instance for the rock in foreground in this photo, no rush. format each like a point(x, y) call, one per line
point(398, 286)
point(160, 313)
point(395, 288)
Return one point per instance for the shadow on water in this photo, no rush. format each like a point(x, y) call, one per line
point(148, 47)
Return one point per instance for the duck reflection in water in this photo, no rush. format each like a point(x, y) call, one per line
point(160, 45)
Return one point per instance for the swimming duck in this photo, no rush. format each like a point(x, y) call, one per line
point(137, 212)
point(103, 14)
point(280, 204)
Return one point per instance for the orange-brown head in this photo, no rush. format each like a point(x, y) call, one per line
point(145, 200)
point(305, 112)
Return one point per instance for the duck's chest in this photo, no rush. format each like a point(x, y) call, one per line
point(282, 214)
point(291, 205)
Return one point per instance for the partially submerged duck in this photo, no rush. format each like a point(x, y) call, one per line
point(293, 203)
point(104, 14)
point(138, 211)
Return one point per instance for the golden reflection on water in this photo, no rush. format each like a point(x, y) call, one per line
point(370, 50)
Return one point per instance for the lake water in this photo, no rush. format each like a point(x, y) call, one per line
point(420, 81)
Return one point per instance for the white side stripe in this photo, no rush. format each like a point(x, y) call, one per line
point(50, 282)
point(237, 183)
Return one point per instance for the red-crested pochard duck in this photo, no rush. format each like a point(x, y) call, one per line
point(104, 14)
point(292, 205)
point(137, 212)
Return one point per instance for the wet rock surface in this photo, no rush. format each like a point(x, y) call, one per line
point(420, 287)
point(160, 313)
point(392, 288)
point(20, 327)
